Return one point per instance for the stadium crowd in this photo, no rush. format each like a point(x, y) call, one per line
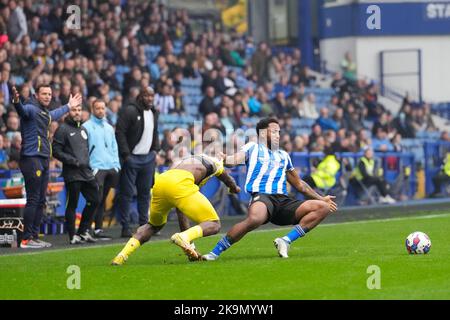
point(112, 57)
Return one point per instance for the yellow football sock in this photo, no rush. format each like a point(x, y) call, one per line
point(130, 247)
point(192, 233)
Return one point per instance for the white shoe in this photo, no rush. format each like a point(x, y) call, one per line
point(87, 237)
point(76, 240)
point(390, 200)
point(387, 200)
point(210, 257)
point(31, 244)
point(282, 247)
point(43, 243)
point(383, 200)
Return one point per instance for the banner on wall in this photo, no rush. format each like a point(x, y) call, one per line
point(399, 18)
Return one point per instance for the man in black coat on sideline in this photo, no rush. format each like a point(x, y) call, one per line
point(138, 142)
point(70, 146)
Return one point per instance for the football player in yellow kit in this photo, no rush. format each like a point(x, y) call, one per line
point(179, 187)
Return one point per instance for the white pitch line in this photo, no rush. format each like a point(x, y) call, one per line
point(430, 216)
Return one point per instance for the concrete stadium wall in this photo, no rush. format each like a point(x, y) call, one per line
point(366, 52)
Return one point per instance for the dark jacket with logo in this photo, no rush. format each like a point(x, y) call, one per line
point(35, 123)
point(70, 146)
point(130, 126)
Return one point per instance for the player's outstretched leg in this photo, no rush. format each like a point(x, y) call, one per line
point(257, 215)
point(184, 239)
point(143, 234)
point(309, 214)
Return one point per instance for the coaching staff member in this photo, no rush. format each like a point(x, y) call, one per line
point(103, 158)
point(70, 145)
point(138, 141)
point(35, 120)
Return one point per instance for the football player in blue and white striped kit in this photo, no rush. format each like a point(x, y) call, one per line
point(269, 170)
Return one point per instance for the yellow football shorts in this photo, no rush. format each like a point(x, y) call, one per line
point(177, 188)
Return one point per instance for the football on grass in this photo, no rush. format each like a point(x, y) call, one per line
point(418, 243)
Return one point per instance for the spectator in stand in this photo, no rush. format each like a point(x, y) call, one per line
point(445, 136)
point(279, 105)
point(266, 106)
point(339, 117)
point(226, 120)
point(428, 119)
point(252, 102)
point(283, 86)
point(316, 132)
point(3, 153)
point(371, 102)
point(111, 112)
point(207, 105)
point(13, 162)
point(363, 139)
point(164, 102)
point(179, 104)
point(319, 145)
point(366, 174)
point(348, 67)
point(381, 141)
point(354, 122)
point(260, 63)
point(310, 107)
point(381, 122)
point(404, 122)
point(16, 143)
point(17, 23)
point(330, 137)
point(441, 177)
point(159, 68)
point(325, 122)
point(5, 85)
point(211, 121)
point(299, 144)
point(339, 83)
point(12, 126)
point(306, 77)
point(397, 143)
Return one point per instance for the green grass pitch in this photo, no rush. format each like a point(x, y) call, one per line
point(330, 263)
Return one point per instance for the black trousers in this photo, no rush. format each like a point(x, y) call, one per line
point(106, 179)
point(378, 182)
point(439, 180)
point(137, 174)
point(35, 172)
point(89, 190)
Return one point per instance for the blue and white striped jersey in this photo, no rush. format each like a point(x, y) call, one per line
point(266, 169)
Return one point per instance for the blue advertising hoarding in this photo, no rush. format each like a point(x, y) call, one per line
point(393, 19)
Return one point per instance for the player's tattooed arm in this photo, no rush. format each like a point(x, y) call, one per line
point(229, 182)
point(301, 186)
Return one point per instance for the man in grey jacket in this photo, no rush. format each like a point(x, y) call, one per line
point(17, 23)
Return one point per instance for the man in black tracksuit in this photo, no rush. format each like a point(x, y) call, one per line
point(35, 120)
point(70, 146)
point(138, 142)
